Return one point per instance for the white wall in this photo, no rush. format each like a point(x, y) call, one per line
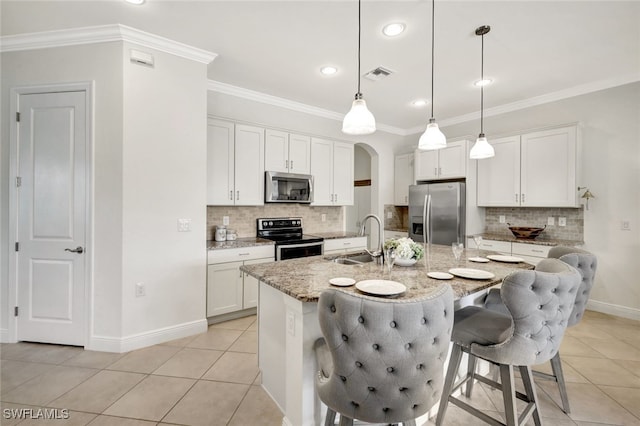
point(164, 174)
point(149, 167)
point(610, 126)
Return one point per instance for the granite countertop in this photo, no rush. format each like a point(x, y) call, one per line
point(305, 278)
point(239, 243)
point(335, 235)
point(542, 240)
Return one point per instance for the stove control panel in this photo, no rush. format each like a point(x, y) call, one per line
point(279, 223)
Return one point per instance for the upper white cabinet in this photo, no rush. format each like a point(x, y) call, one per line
point(403, 177)
point(445, 163)
point(287, 152)
point(332, 170)
point(235, 164)
point(537, 169)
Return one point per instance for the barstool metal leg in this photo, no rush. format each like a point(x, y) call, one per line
point(454, 364)
point(556, 366)
point(471, 372)
point(330, 419)
point(509, 394)
point(530, 389)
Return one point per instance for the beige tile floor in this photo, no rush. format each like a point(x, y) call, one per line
point(213, 379)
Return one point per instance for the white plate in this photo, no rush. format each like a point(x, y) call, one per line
point(502, 258)
point(479, 259)
point(342, 281)
point(474, 274)
point(381, 287)
point(440, 275)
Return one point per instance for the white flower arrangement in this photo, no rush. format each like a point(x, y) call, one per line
point(405, 248)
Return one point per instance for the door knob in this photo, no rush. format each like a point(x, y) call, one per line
point(78, 249)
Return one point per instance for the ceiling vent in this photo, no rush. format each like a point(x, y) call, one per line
point(378, 74)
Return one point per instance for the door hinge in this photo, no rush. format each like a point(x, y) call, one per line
point(17, 246)
point(18, 181)
point(15, 311)
point(18, 116)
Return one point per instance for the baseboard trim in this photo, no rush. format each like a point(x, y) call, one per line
point(143, 340)
point(611, 309)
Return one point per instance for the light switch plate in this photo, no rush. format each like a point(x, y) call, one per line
point(184, 225)
point(551, 221)
point(562, 221)
point(502, 219)
point(225, 220)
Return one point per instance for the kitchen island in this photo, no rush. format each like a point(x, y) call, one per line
point(288, 324)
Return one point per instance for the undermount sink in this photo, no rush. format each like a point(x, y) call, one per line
point(351, 259)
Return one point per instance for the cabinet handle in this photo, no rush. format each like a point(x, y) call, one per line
point(516, 198)
point(244, 254)
point(486, 245)
point(231, 195)
point(439, 171)
point(291, 164)
point(522, 198)
point(435, 171)
point(346, 244)
point(405, 199)
point(537, 251)
point(286, 164)
point(237, 195)
point(336, 198)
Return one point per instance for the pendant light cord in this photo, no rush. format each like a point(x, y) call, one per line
point(359, 35)
point(433, 11)
point(482, 87)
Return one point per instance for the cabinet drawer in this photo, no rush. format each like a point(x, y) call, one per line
point(345, 244)
point(499, 246)
point(240, 254)
point(530, 249)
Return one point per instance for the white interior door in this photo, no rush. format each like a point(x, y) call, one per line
point(51, 266)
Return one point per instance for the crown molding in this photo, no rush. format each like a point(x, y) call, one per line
point(102, 34)
point(537, 100)
point(252, 95)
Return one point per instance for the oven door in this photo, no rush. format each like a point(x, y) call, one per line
point(293, 251)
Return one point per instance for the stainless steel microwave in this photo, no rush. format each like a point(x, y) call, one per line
point(287, 188)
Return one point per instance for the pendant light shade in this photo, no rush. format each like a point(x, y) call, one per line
point(432, 138)
point(359, 120)
point(482, 148)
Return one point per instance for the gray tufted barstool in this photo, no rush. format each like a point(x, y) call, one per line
point(382, 360)
point(586, 263)
point(539, 303)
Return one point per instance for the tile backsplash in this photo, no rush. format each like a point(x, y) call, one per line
point(399, 217)
point(243, 219)
point(537, 217)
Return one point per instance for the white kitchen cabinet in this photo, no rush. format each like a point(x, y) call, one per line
point(499, 176)
point(403, 177)
point(229, 289)
point(445, 163)
point(287, 152)
point(235, 164)
point(344, 245)
point(537, 169)
point(531, 253)
point(332, 170)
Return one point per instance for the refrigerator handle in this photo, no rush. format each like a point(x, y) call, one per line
point(426, 217)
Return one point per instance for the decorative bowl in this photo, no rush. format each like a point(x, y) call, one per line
point(526, 232)
point(404, 262)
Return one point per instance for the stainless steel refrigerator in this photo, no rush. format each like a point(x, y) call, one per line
point(437, 212)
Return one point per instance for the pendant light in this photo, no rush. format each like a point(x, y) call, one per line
point(482, 149)
point(432, 138)
point(359, 120)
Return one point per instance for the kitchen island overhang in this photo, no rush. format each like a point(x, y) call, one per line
point(288, 323)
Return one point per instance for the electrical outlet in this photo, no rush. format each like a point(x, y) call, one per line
point(225, 220)
point(625, 225)
point(502, 219)
point(323, 217)
point(140, 290)
point(562, 221)
point(184, 225)
point(551, 221)
point(389, 215)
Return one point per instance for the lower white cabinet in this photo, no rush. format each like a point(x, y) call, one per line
point(343, 245)
point(531, 253)
point(228, 288)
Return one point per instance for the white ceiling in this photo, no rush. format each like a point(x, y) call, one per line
point(534, 49)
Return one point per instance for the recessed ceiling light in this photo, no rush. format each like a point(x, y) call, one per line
point(328, 70)
point(135, 1)
point(393, 29)
point(484, 82)
point(419, 103)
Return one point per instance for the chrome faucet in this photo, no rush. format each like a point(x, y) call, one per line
point(378, 254)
